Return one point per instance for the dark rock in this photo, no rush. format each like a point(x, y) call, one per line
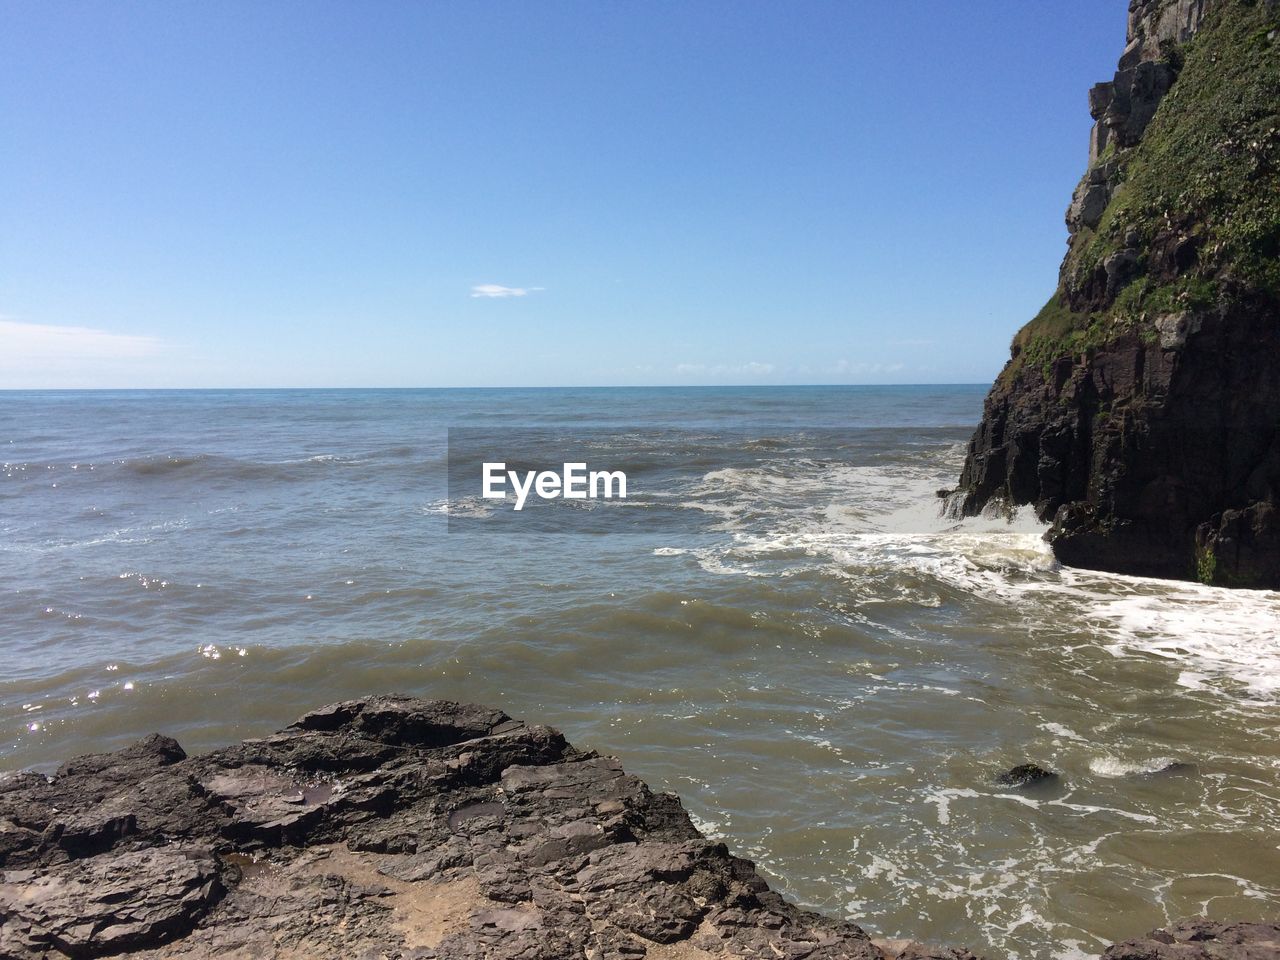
point(106, 904)
point(1202, 940)
point(155, 750)
point(384, 827)
point(405, 721)
point(1151, 458)
point(1028, 775)
point(913, 950)
point(1139, 412)
point(1175, 770)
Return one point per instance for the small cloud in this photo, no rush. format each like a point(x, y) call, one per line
point(40, 355)
point(498, 291)
point(726, 369)
point(39, 342)
point(844, 368)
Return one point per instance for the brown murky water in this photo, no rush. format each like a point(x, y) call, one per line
point(831, 679)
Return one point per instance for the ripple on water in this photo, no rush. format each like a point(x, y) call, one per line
point(831, 681)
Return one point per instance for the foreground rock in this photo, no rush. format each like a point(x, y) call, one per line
point(1202, 940)
point(1138, 410)
point(383, 828)
point(392, 827)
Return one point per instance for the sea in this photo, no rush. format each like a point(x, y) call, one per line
point(784, 626)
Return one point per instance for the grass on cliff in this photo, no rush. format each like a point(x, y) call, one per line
point(1208, 166)
point(1209, 161)
point(1056, 331)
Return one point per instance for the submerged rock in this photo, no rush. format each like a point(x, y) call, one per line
point(1176, 769)
point(1028, 775)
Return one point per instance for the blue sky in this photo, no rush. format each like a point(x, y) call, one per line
point(322, 194)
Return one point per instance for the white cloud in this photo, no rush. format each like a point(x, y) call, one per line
point(37, 342)
point(497, 290)
point(844, 367)
point(44, 355)
point(752, 369)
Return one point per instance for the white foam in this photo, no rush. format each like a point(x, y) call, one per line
point(461, 507)
point(1113, 767)
point(1215, 631)
point(1058, 730)
point(851, 520)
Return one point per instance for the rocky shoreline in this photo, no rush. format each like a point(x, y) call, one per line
point(393, 827)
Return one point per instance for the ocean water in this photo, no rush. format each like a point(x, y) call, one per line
point(828, 670)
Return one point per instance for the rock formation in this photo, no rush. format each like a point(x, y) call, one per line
point(1140, 410)
point(384, 828)
point(1201, 940)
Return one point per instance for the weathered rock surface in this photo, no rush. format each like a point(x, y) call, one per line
point(1140, 412)
point(388, 827)
point(1201, 940)
point(392, 827)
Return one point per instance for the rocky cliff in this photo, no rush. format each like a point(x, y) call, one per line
point(1140, 409)
point(391, 827)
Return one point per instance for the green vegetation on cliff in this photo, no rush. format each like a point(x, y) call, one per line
point(1194, 207)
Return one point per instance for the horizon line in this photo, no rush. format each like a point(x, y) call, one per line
point(653, 386)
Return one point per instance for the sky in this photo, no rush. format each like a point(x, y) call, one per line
point(447, 193)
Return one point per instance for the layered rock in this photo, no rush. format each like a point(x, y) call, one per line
point(384, 828)
point(1201, 940)
point(1140, 410)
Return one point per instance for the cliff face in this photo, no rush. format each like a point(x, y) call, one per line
point(1140, 409)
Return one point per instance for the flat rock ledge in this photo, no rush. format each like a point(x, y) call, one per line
point(393, 827)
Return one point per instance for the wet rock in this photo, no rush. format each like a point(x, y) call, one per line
point(1178, 769)
point(913, 950)
point(1028, 775)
